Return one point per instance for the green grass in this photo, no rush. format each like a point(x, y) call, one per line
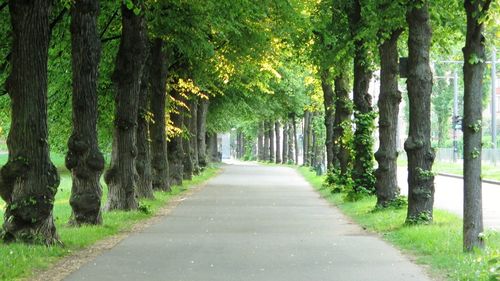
point(438, 245)
point(19, 260)
point(488, 171)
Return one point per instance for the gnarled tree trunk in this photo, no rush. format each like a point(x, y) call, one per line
point(329, 103)
point(29, 180)
point(157, 82)
point(474, 57)
point(143, 161)
point(386, 184)
point(121, 177)
point(84, 159)
point(418, 145)
point(343, 112)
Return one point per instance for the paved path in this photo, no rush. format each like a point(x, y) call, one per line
point(449, 196)
point(253, 223)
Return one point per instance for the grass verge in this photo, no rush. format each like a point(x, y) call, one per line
point(20, 261)
point(438, 245)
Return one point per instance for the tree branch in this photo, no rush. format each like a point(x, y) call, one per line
point(3, 5)
point(107, 39)
point(108, 24)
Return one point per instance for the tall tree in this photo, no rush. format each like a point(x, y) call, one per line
point(474, 58)
point(202, 132)
point(418, 145)
point(143, 161)
point(342, 157)
point(193, 133)
point(329, 103)
point(270, 132)
point(285, 146)
point(157, 78)
point(175, 146)
point(130, 60)
point(364, 179)
point(277, 132)
point(29, 180)
point(386, 184)
point(84, 159)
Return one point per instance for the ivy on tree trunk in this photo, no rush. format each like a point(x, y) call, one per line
point(418, 145)
point(390, 97)
point(474, 57)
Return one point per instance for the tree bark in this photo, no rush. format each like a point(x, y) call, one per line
point(386, 184)
point(342, 157)
point(260, 142)
point(84, 159)
point(212, 146)
point(202, 132)
point(329, 103)
point(174, 146)
point(295, 139)
point(418, 145)
point(284, 156)
point(362, 175)
point(265, 153)
point(186, 144)
point(270, 132)
point(474, 57)
point(278, 141)
point(143, 161)
point(157, 84)
point(193, 136)
point(121, 177)
point(29, 180)
point(305, 139)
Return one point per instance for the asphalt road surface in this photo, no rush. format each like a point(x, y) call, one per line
point(253, 223)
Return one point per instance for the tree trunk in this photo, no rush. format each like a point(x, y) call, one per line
point(157, 81)
point(84, 159)
point(186, 143)
point(260, 142)
point(295, 139)
point(305, 140)
point(278, 142)
point(328, 98)
point(29, 180)
point(474, 57)
point(212, 146)
point(418, 145)
point(193, 136)
point(265, 153)
point(342, 157)
point(174, 146)
point(143, 161)
point(284, 156)
point(364, 179)
point(387, 183)
point(310, 144)
point(202, 132)
point(270, 132)
point(121, 177)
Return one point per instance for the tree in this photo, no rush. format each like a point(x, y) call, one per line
point(474, 57)
point(143, 160)
point(418, 144)
point(130, 60)
point(278, 141)
point(84, 159)
point(329, 104)
point(157, 78)
point(29, 180)
point(364, 179)
point(175, 146)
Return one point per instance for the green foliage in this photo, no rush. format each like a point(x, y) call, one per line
point(364, 183)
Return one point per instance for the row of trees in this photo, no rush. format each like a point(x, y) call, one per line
point(350, 40)
point(140, 76)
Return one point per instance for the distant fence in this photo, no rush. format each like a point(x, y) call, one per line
point(488, 155)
